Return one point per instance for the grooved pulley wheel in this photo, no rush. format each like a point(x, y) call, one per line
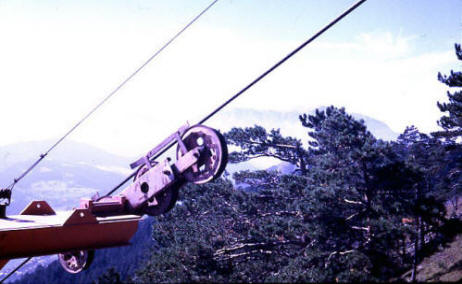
point(76, 261)
point(162, 202)
point(213, 155)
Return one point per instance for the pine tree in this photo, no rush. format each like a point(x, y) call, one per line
point(452, 122)
point(359, 192)
point(427, 156)
point(452, 125)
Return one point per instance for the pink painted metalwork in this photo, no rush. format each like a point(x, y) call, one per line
point(113, 220)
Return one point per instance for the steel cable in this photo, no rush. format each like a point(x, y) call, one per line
point(268, 71)
point(42, 156)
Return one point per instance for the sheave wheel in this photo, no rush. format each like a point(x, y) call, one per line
point(165, 200)
point(213, 158)
point(76, 261)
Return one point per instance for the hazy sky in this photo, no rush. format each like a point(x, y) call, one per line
point(60, 58)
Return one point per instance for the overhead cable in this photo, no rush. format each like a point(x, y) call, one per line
point(275, 66)
point(42, 156)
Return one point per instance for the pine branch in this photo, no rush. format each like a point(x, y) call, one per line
point(232, 256)
point(367, 229)
point(228, 253)
point(270, 155)
point(249, 245)
point(353, 202)
point(282, 213)
point(352, 216)
point(269, 144)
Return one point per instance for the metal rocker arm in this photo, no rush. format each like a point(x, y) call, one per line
point(201, 156)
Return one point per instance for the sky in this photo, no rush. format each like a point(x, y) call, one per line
point(58, 59)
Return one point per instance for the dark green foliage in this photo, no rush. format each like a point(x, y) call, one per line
point(256, 142)
point(426, 156)
point(257, 180)
point(360, 191)
point(453, 179)
point(219, 234)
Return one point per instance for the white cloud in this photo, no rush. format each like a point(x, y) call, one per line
point(385, 45)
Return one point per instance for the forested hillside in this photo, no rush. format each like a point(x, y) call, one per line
point(355, 208)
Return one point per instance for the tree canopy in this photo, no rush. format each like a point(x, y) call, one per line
point(338, 219)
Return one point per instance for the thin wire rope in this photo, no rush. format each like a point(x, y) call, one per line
point(267, 72)
point(42, 156)
point(16, 269)
point(315, 36)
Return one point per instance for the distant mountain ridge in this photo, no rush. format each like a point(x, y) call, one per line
point(67, 151)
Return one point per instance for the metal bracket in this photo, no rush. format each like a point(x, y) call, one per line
point(79, 217)
point(38, 208)
point(145, 160)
